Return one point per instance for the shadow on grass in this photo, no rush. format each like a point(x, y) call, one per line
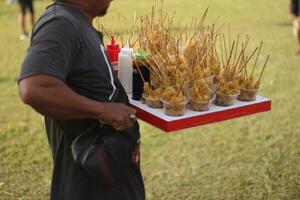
point(8, 79)
point(285, 24)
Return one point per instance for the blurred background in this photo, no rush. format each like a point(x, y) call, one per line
point(255, 157)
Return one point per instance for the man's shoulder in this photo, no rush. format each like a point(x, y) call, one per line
point(58, 12)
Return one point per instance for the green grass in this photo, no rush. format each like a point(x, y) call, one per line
point(255, 157)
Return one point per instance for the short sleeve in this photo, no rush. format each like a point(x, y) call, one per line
point(51, 51)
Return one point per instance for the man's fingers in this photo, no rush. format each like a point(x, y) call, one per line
point(128, 122)
point(131, 111)
point(119, 116)
point(133, 117)
point(119, 127)
point(124, 124)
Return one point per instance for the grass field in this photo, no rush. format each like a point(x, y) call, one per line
point(256, 157)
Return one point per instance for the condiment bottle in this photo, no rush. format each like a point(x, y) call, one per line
point(113, 50)
point(140, 65)
point(125, 68)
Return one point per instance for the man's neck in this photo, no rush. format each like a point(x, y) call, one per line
point(80, 7)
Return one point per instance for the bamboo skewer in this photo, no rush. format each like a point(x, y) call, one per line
point(263, 68)
point(225, 48)
point(261, 44)
point(191, 51)
point(230, 55)
point(181, 86)
point(222, 55)
point(248, 59)
point(138, 69)
point(151, 69)
point(236, 49)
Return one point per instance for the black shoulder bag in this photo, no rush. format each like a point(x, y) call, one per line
point(105, 154)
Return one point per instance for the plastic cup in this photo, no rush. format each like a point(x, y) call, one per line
point(248, 94)
point(172, 109)
point(225, 100)
point(154, 103)
point(210, 81)
point(201, 106)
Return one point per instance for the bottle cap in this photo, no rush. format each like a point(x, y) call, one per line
point(141, 55)
point(126, 50)
point(113, 44)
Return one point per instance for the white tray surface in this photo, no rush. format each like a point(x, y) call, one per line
point(189, 113)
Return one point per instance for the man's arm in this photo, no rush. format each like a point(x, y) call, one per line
point(51, 97)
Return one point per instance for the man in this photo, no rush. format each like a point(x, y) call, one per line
point(294, 15)
point(25, 6)
point(67, 78)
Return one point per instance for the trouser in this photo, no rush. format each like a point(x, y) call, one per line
point(26, 5)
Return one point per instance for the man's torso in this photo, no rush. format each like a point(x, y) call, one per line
point(90, 75)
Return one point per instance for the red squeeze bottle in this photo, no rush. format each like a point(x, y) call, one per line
point(113, 50)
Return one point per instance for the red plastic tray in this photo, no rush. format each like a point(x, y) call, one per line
point(157, 118)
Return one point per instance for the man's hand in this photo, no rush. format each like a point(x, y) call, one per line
point(120, 116)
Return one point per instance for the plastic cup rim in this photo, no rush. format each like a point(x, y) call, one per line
point(230, 95)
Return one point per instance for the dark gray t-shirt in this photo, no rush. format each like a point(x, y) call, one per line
point(66, 46)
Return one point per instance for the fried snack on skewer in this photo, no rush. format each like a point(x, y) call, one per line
point(250, 87)
point(200, 91)
point(192, 56)
point(174, 102)
point(153, 96)
point(201, 96)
